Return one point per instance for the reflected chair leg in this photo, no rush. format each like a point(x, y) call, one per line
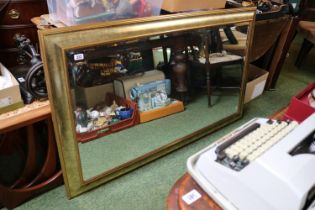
point(165, 55)
point(207, 66)
point(305, 48)
point(164, 51)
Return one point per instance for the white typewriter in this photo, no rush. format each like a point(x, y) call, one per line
point(263, 165)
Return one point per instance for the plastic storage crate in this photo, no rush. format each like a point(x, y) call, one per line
point(74, 12)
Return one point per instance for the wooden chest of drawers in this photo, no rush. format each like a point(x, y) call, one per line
point(15, 18)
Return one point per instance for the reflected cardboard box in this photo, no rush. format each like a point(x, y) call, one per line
point(256, 82)
point(10, 95)
point(123, 85)
point(90, 96)
point(300, 106)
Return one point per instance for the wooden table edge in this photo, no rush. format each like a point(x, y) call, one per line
point(25, 119)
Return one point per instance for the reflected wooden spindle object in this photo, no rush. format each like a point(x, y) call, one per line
point(207, 41)
point(180, 71)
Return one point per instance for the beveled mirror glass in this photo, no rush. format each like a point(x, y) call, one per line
point(126, 92)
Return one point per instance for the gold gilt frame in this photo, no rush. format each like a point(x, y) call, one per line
point(55, 42)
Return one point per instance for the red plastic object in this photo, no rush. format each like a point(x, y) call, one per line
point(299, 108)
point(106, 130)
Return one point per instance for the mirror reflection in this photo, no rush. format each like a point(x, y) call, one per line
point(132, 97)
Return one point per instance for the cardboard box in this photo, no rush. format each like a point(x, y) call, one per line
point(91, 96)
point(10, 97)
point(256, 82)
point(299, 108)
point(187, 5)
point(174, 107)
point(123, 85)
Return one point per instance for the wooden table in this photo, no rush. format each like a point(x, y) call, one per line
point(186, 184)
point(33, 178)
point(183, 186)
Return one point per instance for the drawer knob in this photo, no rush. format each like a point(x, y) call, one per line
point(14, 14)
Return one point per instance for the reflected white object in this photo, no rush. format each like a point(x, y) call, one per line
point(158, 55)
point(220, 58)
point(274, 180)
point(81, 129)
point(94, 114)
point(108, 111)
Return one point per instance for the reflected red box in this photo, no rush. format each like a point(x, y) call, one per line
point(299, 108)
point(109, 129)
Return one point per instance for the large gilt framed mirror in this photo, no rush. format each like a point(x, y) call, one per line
point(126, 92)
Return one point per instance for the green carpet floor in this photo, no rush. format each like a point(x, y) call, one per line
point(147, 187)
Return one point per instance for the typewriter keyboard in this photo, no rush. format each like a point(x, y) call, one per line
point(237, 152)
